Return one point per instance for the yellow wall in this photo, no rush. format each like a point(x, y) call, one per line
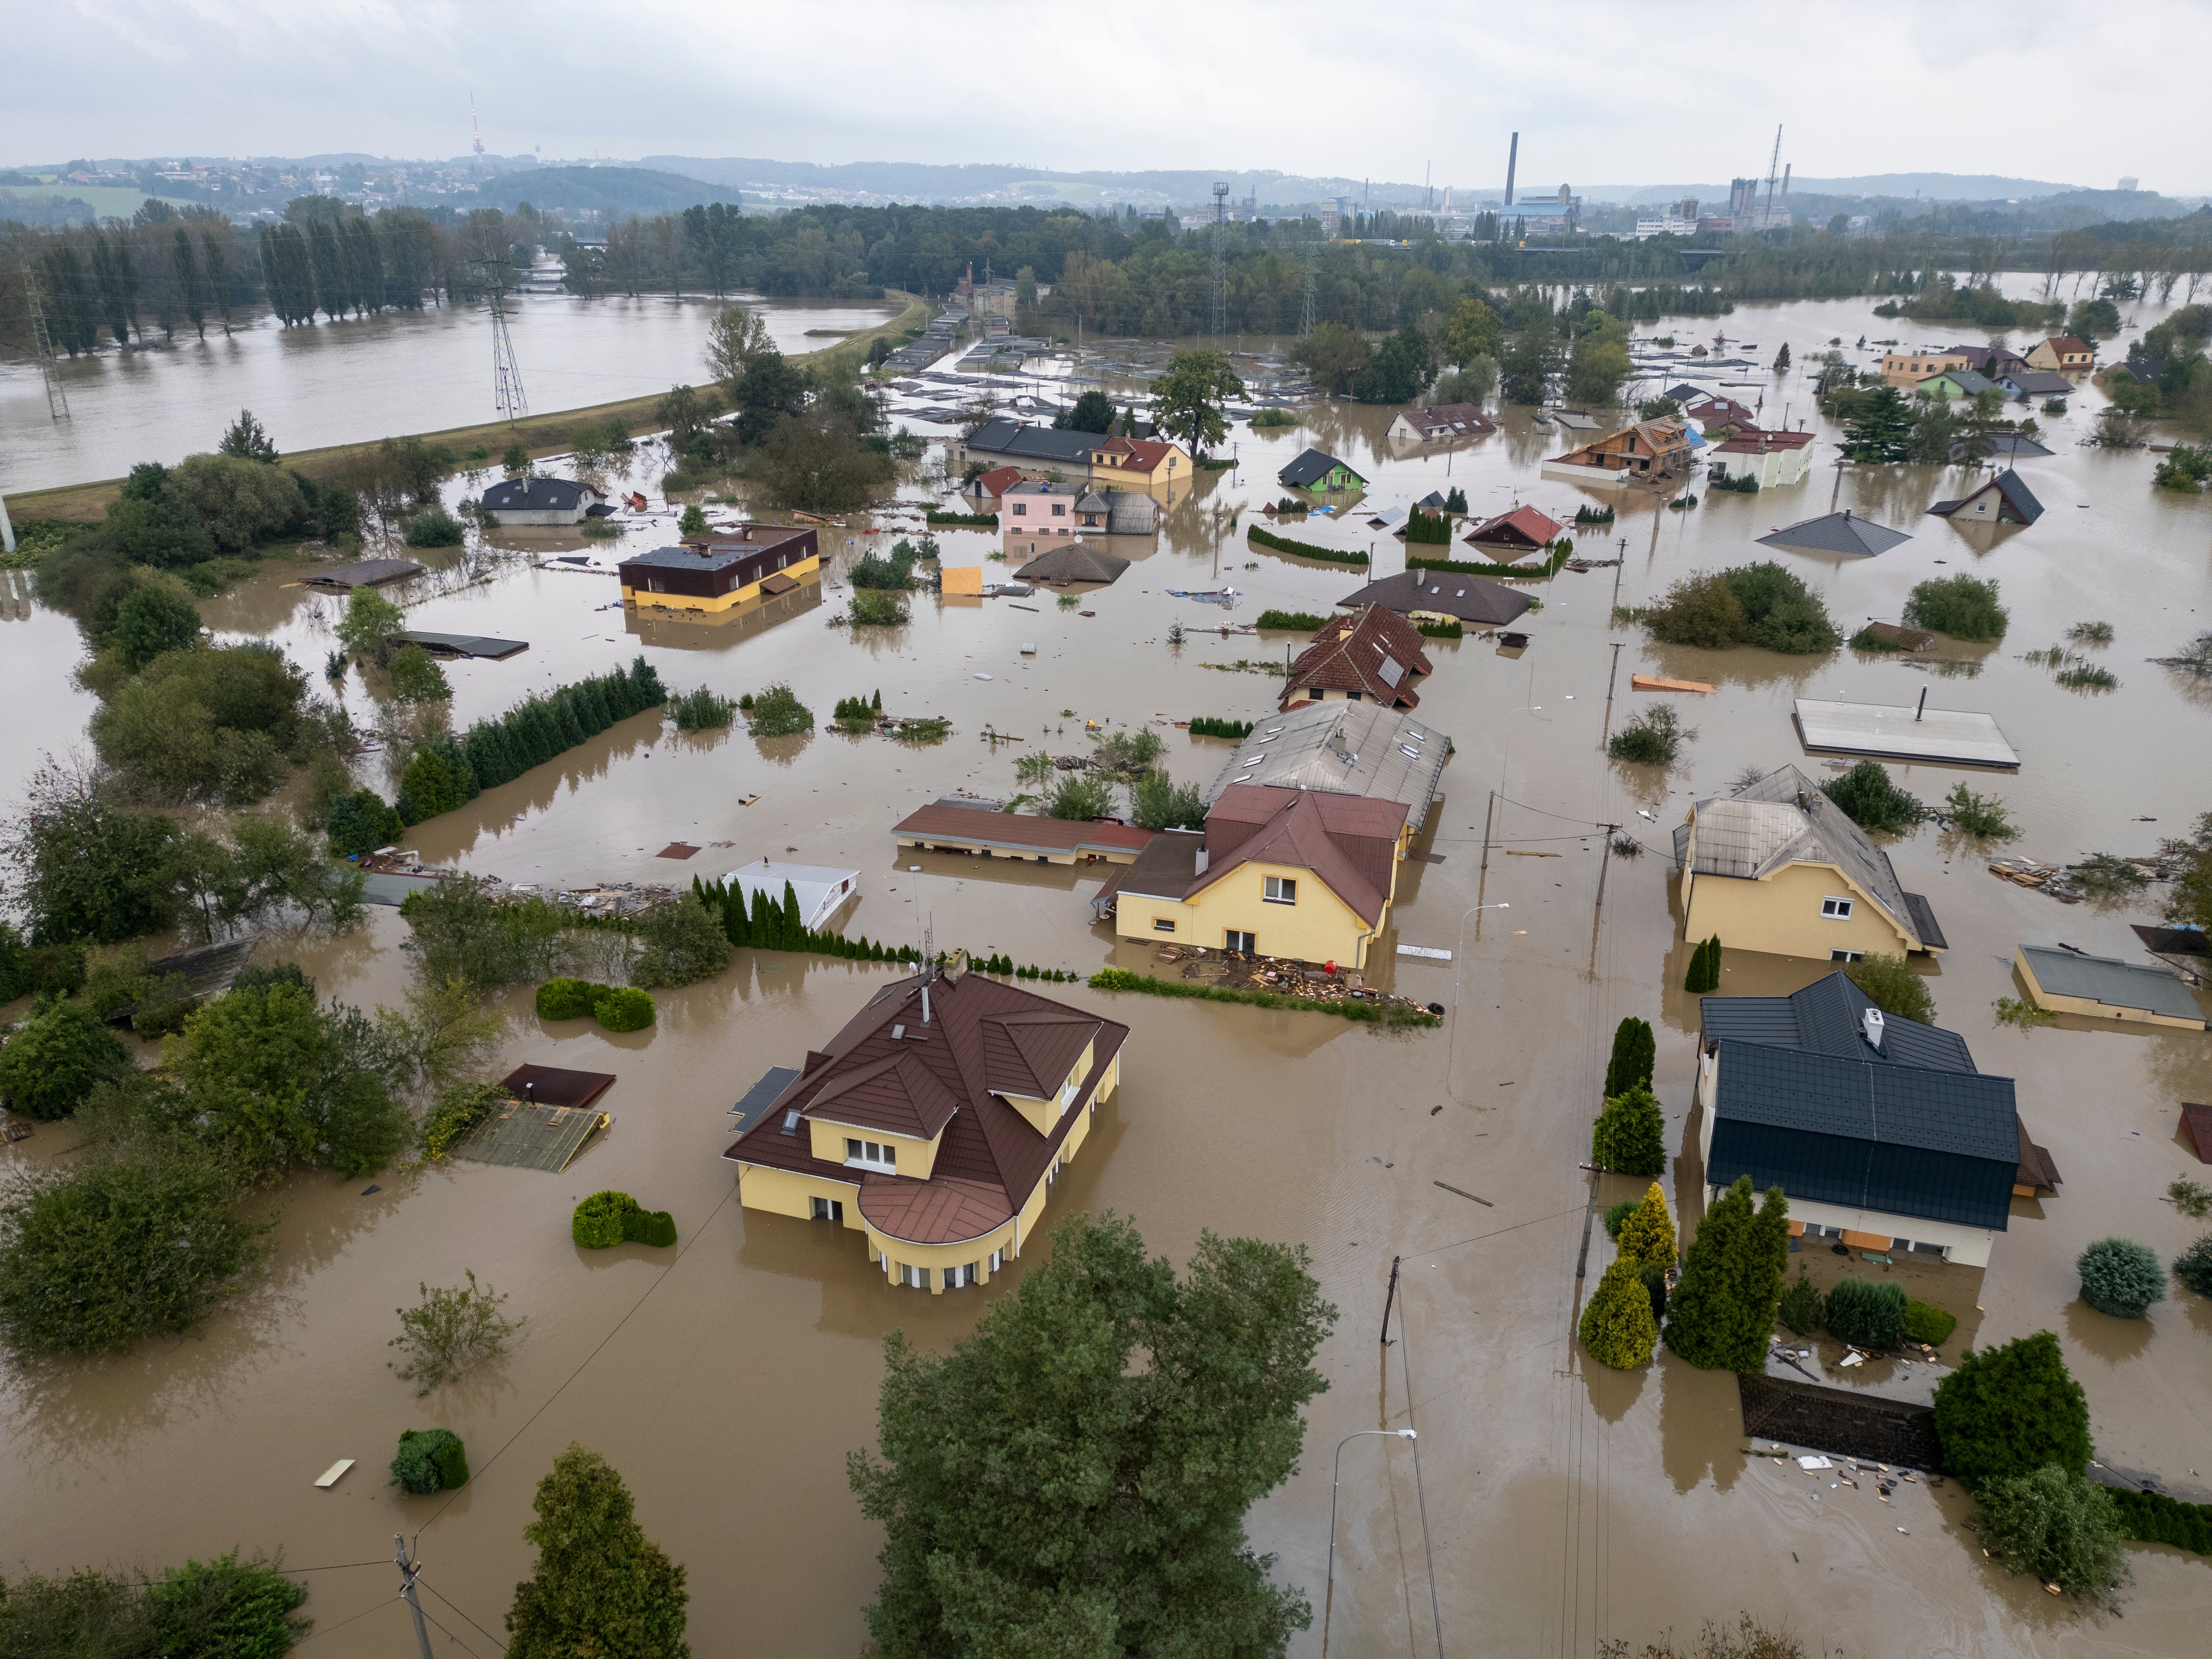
point(1043, 1114)
point(1319, 927)
point(2091, 1007)
point(961, 579)
point(829, 1140)
point(797, 571)
point(785, 1192)
point(1780, 914)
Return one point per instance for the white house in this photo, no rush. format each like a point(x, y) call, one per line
point(821, 892)
point(1772, 457)
point(515, 502)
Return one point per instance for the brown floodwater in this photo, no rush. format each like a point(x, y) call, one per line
point(1565, 1504)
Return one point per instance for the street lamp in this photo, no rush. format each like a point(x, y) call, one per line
point(1328, 1593)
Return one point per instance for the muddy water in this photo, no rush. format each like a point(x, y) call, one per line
point(367, 378)
point(1565, 1504)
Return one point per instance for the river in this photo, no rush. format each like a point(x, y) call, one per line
point(1567, 1504)
point(367, 378)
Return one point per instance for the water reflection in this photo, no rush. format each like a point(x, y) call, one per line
point(2114, 1341)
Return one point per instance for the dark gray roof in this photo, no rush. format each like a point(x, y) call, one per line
point(535, 496)
point(762, 1095)
point(1827, 1017)
point(1041, 443)
point(1310, 468)
point(464, 645)
point(1470, 599)
point(1076, 563)
point(2108, 979)
point(366, 573)
point(2009, 484)
point(1902, 1139)
point(1837, 532)
point(2039, 382)
point(2002, 443)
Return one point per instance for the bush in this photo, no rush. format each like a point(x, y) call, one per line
point(1653, 737)
point(2121, 1277)
point(702, 710)
point(1763, 605)
point(2152, 1517)
point(777, 711)
point(683, 944)
point(1867, 1314)
point(626, 1010)
point(61, 1053)
point(1617, 1214)
point(153, 619)
point(599, 1221)
point(653, 1227)
point(1617, 1328)
point(1630, 1135)
point(1267, 539)
point(1080, 796)
point(1207, 725)
point(363, 822)
point(2009, 1411)
point(431, 784)
point(225, 1609)
point(1965, 607)
point(435, 528)
point(1801, 1308)
point(1928, 1324)
point(544, 726)
point(1158, 802)
point(1894, 986)
point(568, 999)
point(458, 1113)
point(416, 678)
point(2055, 1524)
point(1978, 815)
point(2193, 1267)
point(452, 1331)
point(1647, 1236)
point(878, 609)
point(28, 970)
point(429, 1459)
point(1872, 800)
point(1296, 622)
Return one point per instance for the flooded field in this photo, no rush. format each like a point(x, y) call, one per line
point(1566, 1504)
point(367, 378)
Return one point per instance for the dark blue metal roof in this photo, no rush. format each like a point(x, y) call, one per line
point(1827, 1017)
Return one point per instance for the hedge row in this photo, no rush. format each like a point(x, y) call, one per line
point(1298, 621)
point(1206, 726)
point(1553, 561)
point(1437, 631)
point(608, 1218)
point(1304, 550)
point(981, 521)
point(1120, 979)
point(2152, 1517)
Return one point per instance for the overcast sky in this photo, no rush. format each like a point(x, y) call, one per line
point(1602, 92)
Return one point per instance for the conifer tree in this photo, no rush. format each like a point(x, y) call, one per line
point(1635, 1051)
point(600, 1586)
point(1647, 1235)
point(794, 929)
point(1630, 1135)
point(1617, 1327)
point(1708, 1322)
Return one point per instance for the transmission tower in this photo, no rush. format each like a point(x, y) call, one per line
point(1220, 318)
point(506, 370)
point(1306, 318)
point(42, 346)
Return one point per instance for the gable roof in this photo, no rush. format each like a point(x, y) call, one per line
point(1044, 443)
point(1970, 381)
point(1756, 442)
point(2069, 345)
point(1146, 455)
point(1470, 599)
point(1348, 842)
point(1309, 468)
point(1343, 749)
point(1837, 532)
point(2038, 382)
point(1523, 522)
point(2002, 443)
point(1828, 1017)
point(1784, 819)
point(2016, 500)
point(537, 495)
point(996, 482)
point(1448, 420)
point(1376, 652)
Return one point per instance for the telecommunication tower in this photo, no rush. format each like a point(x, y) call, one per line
point(476, 127)
point(1220, 230)
point(42, 347)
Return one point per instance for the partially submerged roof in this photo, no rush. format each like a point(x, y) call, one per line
point(1836, 532)
point(1523, 525)
point(464, 645)
point(1041, 443)
point(2000, 443)
point(2014, 502)
point(1784, 819)
point(1910, 732)
point(1019, 832)
point(365, 573)
point(1470, 599)
point(1343, 749)
point(1079, 561)
point(1310, 468)
point(1376, 652)
point(2110, 982)
point(1449, 421)
point(1828, 1017)
point(537, 495)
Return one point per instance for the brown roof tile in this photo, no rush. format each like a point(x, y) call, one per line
point(1348, 842)
point(1019, 832)
point(1376, 652)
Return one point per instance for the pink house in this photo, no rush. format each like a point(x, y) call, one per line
point(1039, 513)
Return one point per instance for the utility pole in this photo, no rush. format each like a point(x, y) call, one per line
point(42, 347)
point(1389, 1297)
point(407, 1593)
point(1612, 674)
point(1220, 318)
point(1490, 813)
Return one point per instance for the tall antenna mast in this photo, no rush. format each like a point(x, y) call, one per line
point(1306, 311)
point(42, 347)
point(1220, 230)
point(506, 369)
point(476, 127)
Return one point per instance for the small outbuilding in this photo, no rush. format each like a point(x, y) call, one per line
point(2005, 499)
point(1522, 531)
point(1441, 596)
point(1079, 561)
point(2071, 982)
point(1836, 532)
point(364, 573)
point(519, 502)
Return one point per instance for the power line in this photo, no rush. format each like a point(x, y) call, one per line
point(457, 1608)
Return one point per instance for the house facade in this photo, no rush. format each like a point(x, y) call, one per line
point(1277, 872)
point(521, 502)
point(1038, 512)
point(1320, 472)
point(981, 828)
point(1153, 464)
point(2005, 499)
point(1373, 656)
point(934, 1124)
point(1778, 867)
point(1878, 1129)
point(1769, 459)
point(725, 569)
point(1643, 450)
point(1906, 369)
point(2062, 354)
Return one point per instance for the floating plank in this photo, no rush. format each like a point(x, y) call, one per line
point(331, 1476)
point(1425, 952)
point(1518, 853)
point(1661, 682)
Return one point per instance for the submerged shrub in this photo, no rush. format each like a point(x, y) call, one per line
point(2057, 1525)
point(1965, 607)
point(1926, 1323)
point(2009, 1411)
point(568, 999)
point(1867, 1313)
point(1653, 737)
point(626, 1010)
point(599, 1221)
point(777, 711)
point(1873, 800)
point(2121, 1277)
point(429, 1459)
point(1617, 1327)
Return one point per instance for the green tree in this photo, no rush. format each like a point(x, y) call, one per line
point(1629, 1136)
point(1188, 400)
point(1722, 1309)
point(2121, 1277)
point(1965, 607)
point(600, 1586)
point(1647, 1236)
point(56, 1058)
point(1872, 799)
point(2009, 1411)
point(2057, 1525)
point(242, 503)
point(245, 439)
point(1880, 430)
point(1867, 1313)
point(734, 339)
point(693, 522)
point(1894, 986)
point(1091, 412)
point(681, 944)
point(1400, 367)
point(2093, 320)
point(1043, 1441)
point(153, 619)
point(226, 1608)
point(1704, 974)
point(773, 389)
point(416, 678)
point(371, 626)
point(1158, 802)
point(1617, 1326)
point(1472, 331)
point(1526, 369)
point(84, 1614)
point(1078, 795)
point(81, 867)
point(2188, 900)
point(1334, 355)
point(1635, 1051)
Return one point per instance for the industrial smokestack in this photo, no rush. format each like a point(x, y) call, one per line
point(1512, 161)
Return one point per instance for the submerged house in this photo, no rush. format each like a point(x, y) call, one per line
point(1521, 532)
point(1767, 459)
point(1374, 656)
point(1659, 448)
point(934, 1124)
point(723, 570)
point(1317, 471)
point(2063, 353)
point(1439, 596)
point(1878, 1129)
point(2005, 499)
point(1439, 422)
point(1778, 866)
point(2071, 982)
point(516, 502)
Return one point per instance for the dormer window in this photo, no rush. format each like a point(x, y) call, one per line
point(870, 1155)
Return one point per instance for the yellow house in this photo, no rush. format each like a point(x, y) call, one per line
point(723, 570)
point(934, 1123)
point(1276, 872)
point(2070, 982)
point(1778, 867)
point(1910, 368)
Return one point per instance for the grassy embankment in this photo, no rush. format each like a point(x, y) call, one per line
point(542, 435)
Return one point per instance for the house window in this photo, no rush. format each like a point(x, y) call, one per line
point(1162, 925)
point(1236, 941)
point(998, 1259)
point(1282, 889)
point(829, 1209)
point(1836, 909)
point(917, 1278)
point(1021, 510)
point(957, 1276)
point(870, 1155)
point(1058, 510)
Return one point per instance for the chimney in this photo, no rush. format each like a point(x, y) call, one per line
point(1201, 870)
point(1871, 1027)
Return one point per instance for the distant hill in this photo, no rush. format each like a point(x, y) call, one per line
point(1932, 186)
point(626, 189)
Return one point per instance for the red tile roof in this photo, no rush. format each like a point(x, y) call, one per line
point(1376, 652)
point(1019, 832)
point(1523, 525)
point(1759, 443)
point(984, 1038)
point(997, 482)
point(1458, 419)
point(1146, 455)
point(1348, 842)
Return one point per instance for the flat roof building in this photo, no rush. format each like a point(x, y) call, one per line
point(723, 570)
